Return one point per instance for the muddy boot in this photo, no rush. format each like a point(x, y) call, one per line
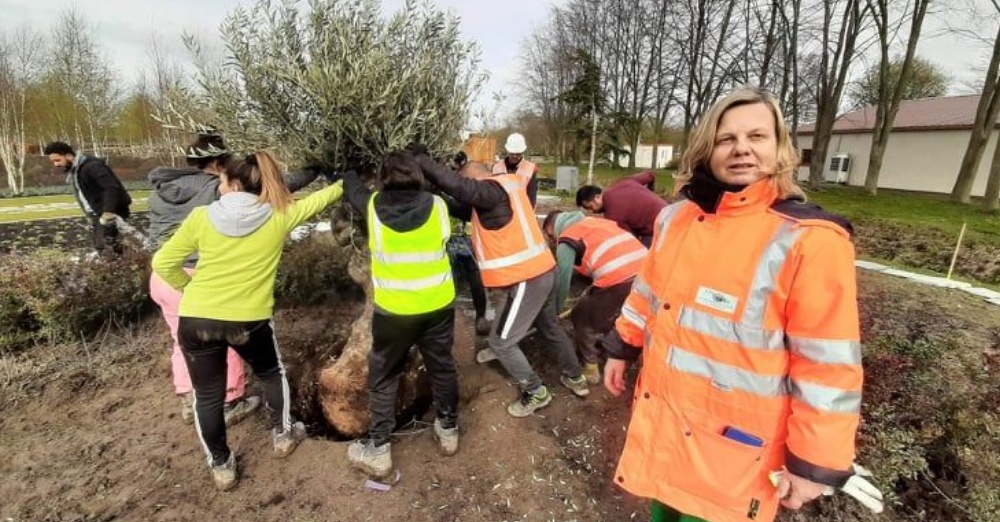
point(187, 407)
point(286, 442)
point(224, 475)
point(374, 460)
point(592, 372)
point(447, 437)
point(529, 402)
point(578, 385)
point(482, 325)
point(240, 409)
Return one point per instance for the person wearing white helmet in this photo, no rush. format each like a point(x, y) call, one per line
point(514, 163)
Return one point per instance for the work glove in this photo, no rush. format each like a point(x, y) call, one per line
point(857, 486)
point(332, 176)
point(108, 219)
point(460, 159)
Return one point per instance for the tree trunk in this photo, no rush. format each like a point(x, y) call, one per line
point(343, 384)
point(991, 201)
point(986, 117)
point(593, 146)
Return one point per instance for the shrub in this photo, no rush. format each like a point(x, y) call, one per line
point(312, 271)
point(62, 298)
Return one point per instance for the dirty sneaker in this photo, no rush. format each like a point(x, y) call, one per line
point(485, 355)
point(224, 475)
point(374, 460)
point(240, 409)
point(187, 407)
point(286, 442)
point(483, 325)
point(529, 402)
point(447, 438)
point(578, 384)
point(592, 372)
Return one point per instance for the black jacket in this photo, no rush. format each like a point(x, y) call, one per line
point(487, 198)
point(103, 190)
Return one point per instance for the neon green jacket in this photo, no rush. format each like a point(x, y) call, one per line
point(239, 242)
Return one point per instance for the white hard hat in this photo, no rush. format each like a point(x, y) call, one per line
point(515, 144)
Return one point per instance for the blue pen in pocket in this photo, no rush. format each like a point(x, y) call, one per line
point(742, 437)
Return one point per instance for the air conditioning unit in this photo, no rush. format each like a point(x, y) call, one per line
point(838, 169)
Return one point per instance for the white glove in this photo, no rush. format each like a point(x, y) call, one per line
point(857, 486)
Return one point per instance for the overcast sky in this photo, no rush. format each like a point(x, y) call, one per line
point(125, 29)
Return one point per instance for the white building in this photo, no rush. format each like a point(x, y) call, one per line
point(924, 152)
point(644, 156)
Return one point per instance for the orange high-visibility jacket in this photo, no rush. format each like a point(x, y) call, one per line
point(747, 320)
point(517, 251)
point(525, 169)
point(611, 255)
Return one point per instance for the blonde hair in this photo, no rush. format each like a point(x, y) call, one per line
point(699, 151)
point(260, 174)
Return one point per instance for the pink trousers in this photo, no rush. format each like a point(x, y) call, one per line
point(169, 300)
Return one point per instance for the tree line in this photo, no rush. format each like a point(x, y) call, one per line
point(600, 76)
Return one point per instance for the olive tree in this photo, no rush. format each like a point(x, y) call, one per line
point(337, 85)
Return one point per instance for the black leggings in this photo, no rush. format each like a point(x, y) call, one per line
point(204, 343)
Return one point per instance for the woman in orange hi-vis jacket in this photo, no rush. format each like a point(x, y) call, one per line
point(745, 316)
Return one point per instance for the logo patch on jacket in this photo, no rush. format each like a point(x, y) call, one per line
point(716, 300)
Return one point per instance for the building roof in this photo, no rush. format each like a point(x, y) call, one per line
point(945, 113)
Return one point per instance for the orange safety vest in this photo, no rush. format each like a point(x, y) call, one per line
point(748, 320)
point(517, 251)
point(611, 255)
point(525, 169)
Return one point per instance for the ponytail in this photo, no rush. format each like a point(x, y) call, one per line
point(272, 186)
point(259, 174)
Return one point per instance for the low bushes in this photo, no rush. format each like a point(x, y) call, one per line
point(313, 271)
point(51, 295)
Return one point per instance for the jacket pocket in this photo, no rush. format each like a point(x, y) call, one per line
point(713, 467)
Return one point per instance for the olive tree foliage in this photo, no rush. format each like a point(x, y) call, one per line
point(338, 84)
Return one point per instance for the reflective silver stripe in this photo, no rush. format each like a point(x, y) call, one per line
point(375, 222)
point(727, 377)
point(605, 246)
point(745, 335)
point(640, 287)
point(513, 259)
point(826, 398)
point(423, 257)
point(633, 317)
point(412, 284)
point(663, 220)
point(825, 351)
point(443, 215)
point(619, 262)
point(522, 216)
point(765, 278)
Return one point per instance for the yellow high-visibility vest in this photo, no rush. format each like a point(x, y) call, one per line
point(411, 273)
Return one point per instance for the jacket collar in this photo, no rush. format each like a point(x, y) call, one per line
point(716, 197)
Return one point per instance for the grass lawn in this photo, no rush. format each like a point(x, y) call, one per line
point(49, 207)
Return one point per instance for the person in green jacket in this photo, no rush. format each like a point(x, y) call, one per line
point(230, 299)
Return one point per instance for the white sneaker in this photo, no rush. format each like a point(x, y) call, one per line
point(286, 442)
point(447, 438)
point(485, 355)
point(224, 475)
point(376, 461)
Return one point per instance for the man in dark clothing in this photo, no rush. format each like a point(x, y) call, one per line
point(630, 202)
point(414, 304)
point(100, 193)
point(523, 274)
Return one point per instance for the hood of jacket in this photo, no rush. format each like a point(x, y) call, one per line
point(566, 219)
point(403, 210)
point(238, 214)
point(178, 186)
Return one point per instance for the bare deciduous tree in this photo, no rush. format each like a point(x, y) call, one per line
point(890, 94)
point(18, 71)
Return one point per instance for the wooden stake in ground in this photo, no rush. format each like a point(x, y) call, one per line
point(958, 245)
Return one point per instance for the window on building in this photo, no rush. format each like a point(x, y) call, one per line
point(807, 156)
